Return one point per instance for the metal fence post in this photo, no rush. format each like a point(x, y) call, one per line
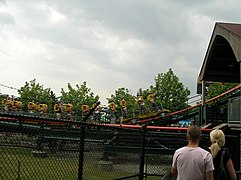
point(18, 170)
point(82, 141)
point(142, 153)
point(81, 152)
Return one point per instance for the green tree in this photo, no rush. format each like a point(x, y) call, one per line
point(170, 92)
point(79, 96)
point(124, 93)
point(33, 91)
point(218, 88)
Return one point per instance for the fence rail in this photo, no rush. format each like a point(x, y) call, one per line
point(35, 148)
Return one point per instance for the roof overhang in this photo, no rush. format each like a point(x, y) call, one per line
point(221, 62)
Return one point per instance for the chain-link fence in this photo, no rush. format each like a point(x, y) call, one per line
point(35, 150)
point(32, 147)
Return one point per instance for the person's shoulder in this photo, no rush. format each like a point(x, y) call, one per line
point(225, 149)
point(181, 149)
point(204, 150)
point(226, 152)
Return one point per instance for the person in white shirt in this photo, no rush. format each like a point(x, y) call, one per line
point(192, 162)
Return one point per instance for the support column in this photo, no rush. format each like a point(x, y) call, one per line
point(240, 91)
point(239, 174)
point(203, 114)
point(203, 92)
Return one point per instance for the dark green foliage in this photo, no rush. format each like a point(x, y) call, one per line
point(79, 96)
point(124, 93)
point(170, 92)
point(33, 91)
point(218, 88)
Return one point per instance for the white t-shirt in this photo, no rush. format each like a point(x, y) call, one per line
point(192, 163)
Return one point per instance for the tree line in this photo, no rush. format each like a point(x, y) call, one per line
point(170, 94)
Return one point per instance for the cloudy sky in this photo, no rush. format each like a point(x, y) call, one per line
point(107, 43)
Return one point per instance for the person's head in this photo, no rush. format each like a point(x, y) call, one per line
point(217, 139)
point(194, 133)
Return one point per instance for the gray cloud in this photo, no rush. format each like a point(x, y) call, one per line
point(109, 44)
point(6, 19)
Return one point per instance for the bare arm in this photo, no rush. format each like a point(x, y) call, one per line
point(209, 175)
point(231, 169)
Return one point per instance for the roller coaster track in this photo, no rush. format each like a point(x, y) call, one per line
point(177, 115)
point(50, 129)
point(160, 118)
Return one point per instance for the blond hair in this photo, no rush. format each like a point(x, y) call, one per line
point(217, 139)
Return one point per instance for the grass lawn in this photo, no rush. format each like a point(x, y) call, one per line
point(19, 162)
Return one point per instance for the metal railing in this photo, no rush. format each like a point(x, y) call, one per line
point(36, 147)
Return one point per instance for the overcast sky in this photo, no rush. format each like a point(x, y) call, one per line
point(107, 43)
